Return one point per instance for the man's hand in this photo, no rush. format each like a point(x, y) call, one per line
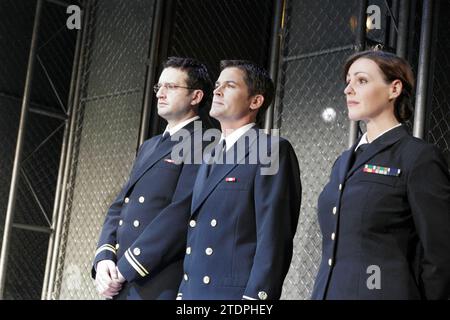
point(107, 279)
point(120, 277)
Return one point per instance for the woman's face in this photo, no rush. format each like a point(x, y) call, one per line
point(368, 95)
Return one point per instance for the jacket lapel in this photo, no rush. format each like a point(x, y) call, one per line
point(377, 146)
point(156, 153)
point(206, 185)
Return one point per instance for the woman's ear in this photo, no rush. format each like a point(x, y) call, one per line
point(395, 89)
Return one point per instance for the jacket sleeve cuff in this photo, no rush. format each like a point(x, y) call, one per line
point(104, 252)
point(130, 266)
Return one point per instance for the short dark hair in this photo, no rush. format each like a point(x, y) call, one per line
point(392, 68)
point(257, 79)
point(197, 75)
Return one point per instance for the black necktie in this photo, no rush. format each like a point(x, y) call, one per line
point(359, 152)
point(217, 153)
point(163, 138)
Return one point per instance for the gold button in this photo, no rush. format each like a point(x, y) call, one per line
point(127, 200)
point(192, 223)
point(136, 223)
point(141, 199)
point(117, 246)
point(206, 279)
point(209, 251)
point(213, 222)
point(333, 236)
point(136, 251)
point(188, 250)
point(334, 210)
point(330, 262)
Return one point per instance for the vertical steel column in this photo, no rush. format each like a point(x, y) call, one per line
point(68, 157)
point(19, 148)
point(165, 37)
point(403, 22)
point(393, 35)
point(423, 68)
point(276, 38)
point(62, 163)
point(360, 46)
point(151, 70)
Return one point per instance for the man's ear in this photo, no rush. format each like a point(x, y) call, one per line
point(395, 89)
point(256, 101)
point(197, 97)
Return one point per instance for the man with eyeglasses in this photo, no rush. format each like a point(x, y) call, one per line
point(141, 246)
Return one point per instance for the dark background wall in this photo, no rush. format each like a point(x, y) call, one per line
point(44, 132)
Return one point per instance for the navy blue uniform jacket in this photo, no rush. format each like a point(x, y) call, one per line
point(392, 226)
point(242, 225)
point(145, 227)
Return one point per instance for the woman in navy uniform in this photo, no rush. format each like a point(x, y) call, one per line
point(385, 213)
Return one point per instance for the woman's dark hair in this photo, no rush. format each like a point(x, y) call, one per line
point(393, 68)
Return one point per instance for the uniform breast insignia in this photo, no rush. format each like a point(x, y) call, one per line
point(370, 168)
point(230, 179)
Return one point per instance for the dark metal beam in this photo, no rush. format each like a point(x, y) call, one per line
point(151, 70)
point(275, 53)
point(423, 68)
point(403, 22)
point(360, 46)
point(19, 149)
point(66, 158)
point(32, 228)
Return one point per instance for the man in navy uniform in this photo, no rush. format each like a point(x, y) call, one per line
point(141, 245)
point(243, 221)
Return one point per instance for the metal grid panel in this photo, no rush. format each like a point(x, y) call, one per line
point(54, 59)
point(39, 171)
point(117, 46)
point(309, 86)
point(14, 48)
point(15, 45)
point(439, 114)
point(26, 271)
point(222, 29)
point(106, 133)
point(9, 121)
point(107, 148)
point(43, 135)
point(319, 25)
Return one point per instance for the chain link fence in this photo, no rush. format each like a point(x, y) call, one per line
point(438, 126)
point(106, 133)
point(43, 133)
point(311, 113)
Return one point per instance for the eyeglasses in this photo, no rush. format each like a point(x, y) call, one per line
point(168, 86)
